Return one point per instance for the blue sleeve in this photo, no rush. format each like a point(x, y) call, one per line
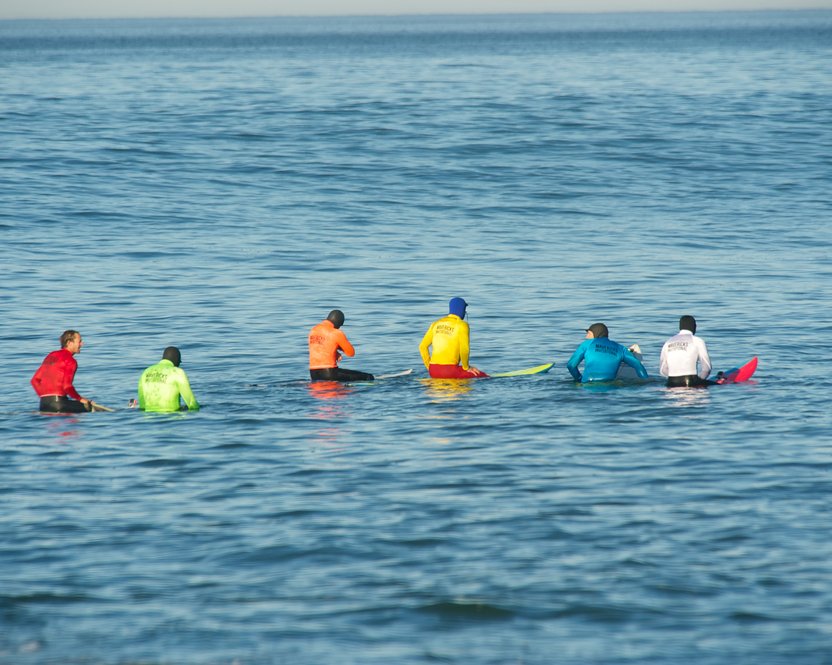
point(576, 359)
point(635, 363)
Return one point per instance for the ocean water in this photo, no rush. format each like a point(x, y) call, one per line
point(222, 184)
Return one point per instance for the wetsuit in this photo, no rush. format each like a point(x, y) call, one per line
point(326, 342)
point(160, 387)
point(602, 358)
point(448, 341)
point(679, 358)
point(53, 383)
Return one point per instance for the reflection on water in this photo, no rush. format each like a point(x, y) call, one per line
point(329, 390)
point(329, 409)
point(687, 396)
point(447, 389)
point(62, 425)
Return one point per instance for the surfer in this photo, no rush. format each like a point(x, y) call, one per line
point(602, 357)
point(448, 339)
point(680, 355)
point(326, 343)
point(161, 385)
point(53, 379)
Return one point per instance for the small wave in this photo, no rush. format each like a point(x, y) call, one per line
point(462, 609)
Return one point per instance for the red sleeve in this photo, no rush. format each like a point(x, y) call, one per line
point(36, 379)
point(70, 367)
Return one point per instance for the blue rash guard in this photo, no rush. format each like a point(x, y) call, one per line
point(602, 357)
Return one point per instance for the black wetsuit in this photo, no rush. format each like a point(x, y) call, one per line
point(688, 381)
point(339, 374)
point(62, 404)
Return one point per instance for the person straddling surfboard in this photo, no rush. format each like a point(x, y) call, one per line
point(680, 355)
point(53, 380)
point(601, 357)
point(326, 344)
point(162, 385)
point(446, 345)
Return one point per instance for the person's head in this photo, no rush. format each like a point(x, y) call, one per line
point(71, 341)
point(172, 353)
point(336, 317)
point(687, 322)
point(597, 330)
point(457, 306)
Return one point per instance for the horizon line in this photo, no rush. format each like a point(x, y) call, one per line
point(131, 17)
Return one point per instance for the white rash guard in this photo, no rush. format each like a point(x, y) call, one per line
point(680, 354)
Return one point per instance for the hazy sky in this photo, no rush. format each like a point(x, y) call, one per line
point(208, 8)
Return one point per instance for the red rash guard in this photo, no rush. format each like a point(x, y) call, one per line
point(55, 375)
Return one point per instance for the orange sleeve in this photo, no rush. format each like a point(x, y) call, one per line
point(344, 344)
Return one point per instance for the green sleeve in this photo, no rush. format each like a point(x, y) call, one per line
point(141, 391)
point(185, 391)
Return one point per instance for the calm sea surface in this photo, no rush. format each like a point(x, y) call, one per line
point(221, 185)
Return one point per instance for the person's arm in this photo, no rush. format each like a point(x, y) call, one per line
point(185, 391)
point(635, 363)
point(704, 359)
point(344, 344)
point(36, 379)
point(663, 369)
point(69, 376)
point(464, 337)
point(575, 360)
point(141, 391)
point(424, 346)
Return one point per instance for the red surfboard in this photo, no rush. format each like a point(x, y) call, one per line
point(739, 374)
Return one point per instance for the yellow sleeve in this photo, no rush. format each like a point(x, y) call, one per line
point(464, 344)
point(427, 340)
point(185, 391)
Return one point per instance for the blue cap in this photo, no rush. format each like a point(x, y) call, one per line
point(457, 306)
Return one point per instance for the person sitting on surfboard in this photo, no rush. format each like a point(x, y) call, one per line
point(448, 341)
point(53, 379)
point(680, 355)
point(326, 343)
point(161, 385)
point(601, 357)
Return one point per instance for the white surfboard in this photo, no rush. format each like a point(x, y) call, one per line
point(627, 372)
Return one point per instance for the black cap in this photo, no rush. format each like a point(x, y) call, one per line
point(336, 316)
point(687, 322)
point(172, 353)
point(598, 330)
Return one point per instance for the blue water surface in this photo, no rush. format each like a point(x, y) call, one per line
point(221, 185)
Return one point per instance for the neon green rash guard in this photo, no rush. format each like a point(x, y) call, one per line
point(160, 387)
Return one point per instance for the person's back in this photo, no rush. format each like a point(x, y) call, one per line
point(326, 344)
point(162, 385)
point(684, 357)
point(448, 340)
point(601, 357)
point(445, 347)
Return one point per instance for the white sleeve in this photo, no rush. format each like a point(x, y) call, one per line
point(663, 361)
point(704, 359)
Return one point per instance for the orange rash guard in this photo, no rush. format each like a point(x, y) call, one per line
point(325, 341)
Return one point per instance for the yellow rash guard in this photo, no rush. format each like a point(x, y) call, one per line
point(449, 339)
point(160, 387)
